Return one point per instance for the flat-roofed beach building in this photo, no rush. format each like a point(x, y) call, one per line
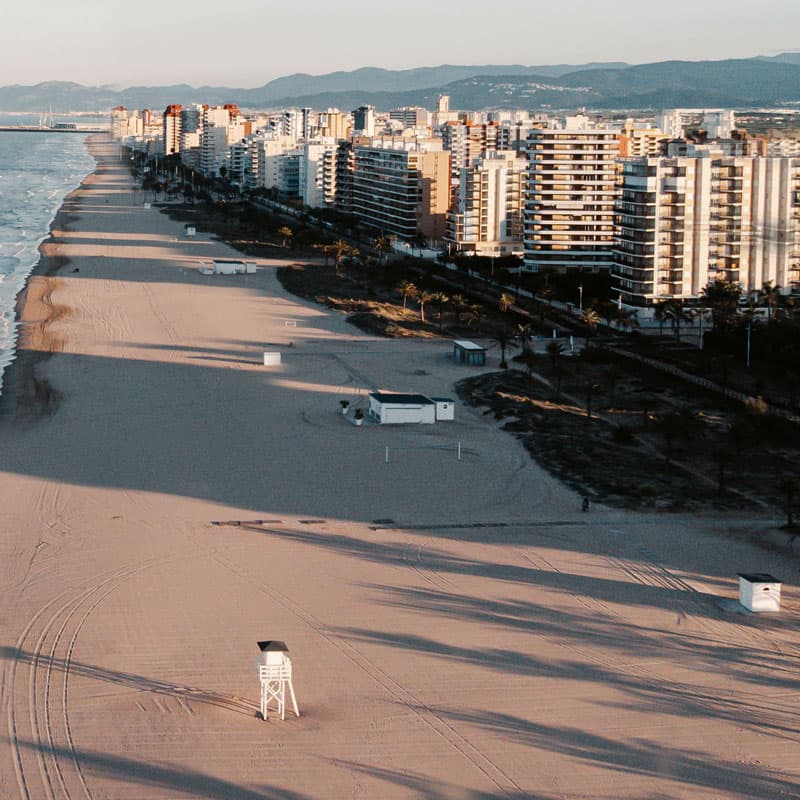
point(570, 194)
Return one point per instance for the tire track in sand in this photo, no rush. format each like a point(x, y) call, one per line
point(435, 722)
point(40, 738)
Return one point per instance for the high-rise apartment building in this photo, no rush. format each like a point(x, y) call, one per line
point(364, 121)
point(333, 124)
point(637, 140)
point(570, 194)
point(485, 216)
point(125, 123)
point(172, 128)
point(400, 187)
point(411, 116)
point(684, 221)
point(317, 172)
point(467, 141)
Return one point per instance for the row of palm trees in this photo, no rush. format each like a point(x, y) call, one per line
point(723, 298)
point(459, 304)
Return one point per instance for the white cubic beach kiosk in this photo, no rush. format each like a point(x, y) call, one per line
point(445, 408)
point(759, 591)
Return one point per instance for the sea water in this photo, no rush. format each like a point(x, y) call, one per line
point(37, 171)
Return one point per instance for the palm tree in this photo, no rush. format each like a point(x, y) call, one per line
point(524, 336)
point(408, 290)
point(328, 250)
point(422, 298)
point(661, 313)
point(788, 486)
point(769, 296)
point(677, 314)
point(608, 311)
point(590, 389)
point(420, 241)
point(382, 245)
point(554, 350)
point(503, 338)
point(722, 457)
point(459, 304)
point(475, 313)
point(722, 297)
point(670, 427)
point(342, 250)
point(286, 233)
point(507, 301)
point(440, 299)
point(591, 319)
point(628, 319)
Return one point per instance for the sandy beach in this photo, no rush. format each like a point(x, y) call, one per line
point(458, 628)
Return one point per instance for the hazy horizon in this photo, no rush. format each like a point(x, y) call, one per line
point(111, 44)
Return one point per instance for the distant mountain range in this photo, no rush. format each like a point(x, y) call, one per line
point(736, 83)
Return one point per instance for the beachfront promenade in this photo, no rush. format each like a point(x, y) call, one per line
point(458, 629)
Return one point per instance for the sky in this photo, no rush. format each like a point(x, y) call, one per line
point(246, 43)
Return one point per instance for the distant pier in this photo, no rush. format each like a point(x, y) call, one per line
point(53, 129)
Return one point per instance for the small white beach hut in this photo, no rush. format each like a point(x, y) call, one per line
point(759, 591)
point(445, 408)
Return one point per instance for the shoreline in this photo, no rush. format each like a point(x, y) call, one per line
point(23, 394)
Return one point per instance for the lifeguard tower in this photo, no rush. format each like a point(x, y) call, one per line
point(275, 674)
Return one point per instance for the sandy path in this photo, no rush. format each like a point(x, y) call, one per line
point(484, 639)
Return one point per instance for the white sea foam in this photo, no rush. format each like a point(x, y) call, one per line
point(37, 171)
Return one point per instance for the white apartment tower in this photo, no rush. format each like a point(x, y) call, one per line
point(317, 172)
point(126, 124)
point(687, 220)
point(485, 216)
point(570, 194)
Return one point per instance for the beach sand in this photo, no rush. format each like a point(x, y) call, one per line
point(458, 629)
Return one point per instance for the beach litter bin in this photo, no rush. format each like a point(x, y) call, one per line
point(272, 359)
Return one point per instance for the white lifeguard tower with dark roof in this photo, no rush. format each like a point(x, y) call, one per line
point(275, 674)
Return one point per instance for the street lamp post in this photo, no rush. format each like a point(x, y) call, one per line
point(580, 298)
point(747, 360)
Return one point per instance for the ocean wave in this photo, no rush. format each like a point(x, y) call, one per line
point(36, 174)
